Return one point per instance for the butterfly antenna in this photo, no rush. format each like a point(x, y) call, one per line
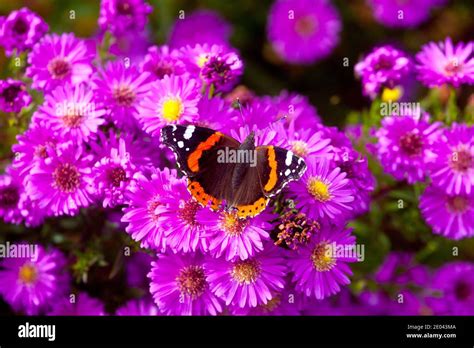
point(239, 104)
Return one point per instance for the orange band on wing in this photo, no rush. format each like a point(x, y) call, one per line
point(244, 211)
point(197, 191)
point(272, 178)
point(193, 159)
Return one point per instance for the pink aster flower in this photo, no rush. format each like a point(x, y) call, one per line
point(305, 143)
point(112, 175)
point(13, 96)
point(30, 285)
point(453, 168)
point(248, 283)
point(303, 31)
point(179, 285)
point(450, 215)
point(11, 192)
point(446, 63)
point(179, 219)
point(405, 146)
point(121, 89)
point(171, 100)
point(319, 269)
point(58, 59)
point(323, 192)
point(232, 237)
point(145, 206)
point(122, 16)
point(71, 110)
point(200, 27)
point(62, 183)
point(32, 146)
point(453, 289)
point(161, 61)
point(20, 30)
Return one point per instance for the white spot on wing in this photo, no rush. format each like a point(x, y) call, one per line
point(180, 144)
point(189, 132)
point(174, 127)
point(287, 172)
point(289, 156)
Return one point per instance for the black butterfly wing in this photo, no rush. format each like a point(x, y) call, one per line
point(277, 167)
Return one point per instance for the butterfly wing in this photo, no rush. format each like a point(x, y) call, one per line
point(277, 167)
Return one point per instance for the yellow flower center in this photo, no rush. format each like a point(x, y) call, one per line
point(232, 224)
point(28, 273)
point(172, 109)
point(322, 257)
point(246, 272)
point(300, 148)
point(392, 94)
point(202, 60)
point(319, 190)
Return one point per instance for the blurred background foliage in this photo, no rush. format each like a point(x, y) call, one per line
point(95, 246)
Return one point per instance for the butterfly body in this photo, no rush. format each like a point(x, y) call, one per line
point(223, 172)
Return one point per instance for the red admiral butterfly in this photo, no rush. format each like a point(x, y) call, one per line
point(223, 172)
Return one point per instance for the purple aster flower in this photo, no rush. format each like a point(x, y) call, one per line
point(446, 63)
point(30, 285)
point(32, 146)
point(20, 30)
point(401, 268)
point(121, 89)
point(136, 269)
point(11, 191)
point(384, 66)
point(401, 14)
point(303, 31)
point(145, 207)
point(131, 46)
point(305, 143)
point(248, 283)
point(140, 147)
point(171, 100)
point(78, 305)
point(15, 205)
point(232, 237)
point(319, 268)
point(296, 109)
point(222, 71)
point(361, 180)
point(62, 183)
point(161, 61)
point(323, 192)
point(122, 16)
point(216, 113)
point(179, 219)
point(405, 146)
point(140, 307)
point(450, 215)
point(58, 59)
point(453, 168)
point(112, 175)
point(71, 110)
point(13, 96)
point(180, 286)
point(257, 115)
point(200, 27)
point(454, 287)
